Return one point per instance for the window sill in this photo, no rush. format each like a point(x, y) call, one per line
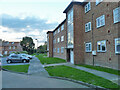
point(100, 27)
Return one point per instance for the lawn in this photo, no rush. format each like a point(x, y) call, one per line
point(49, 60)
point(76, 74)
point(17, 68)
point(108, 70)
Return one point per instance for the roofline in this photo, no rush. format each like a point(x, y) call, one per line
point(59, 25)
point(73, 3)
point(49, 32)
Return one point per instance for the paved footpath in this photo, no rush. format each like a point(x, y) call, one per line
point(36, 68)
point(111, 77)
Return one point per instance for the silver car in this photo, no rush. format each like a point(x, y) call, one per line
point(17, 58)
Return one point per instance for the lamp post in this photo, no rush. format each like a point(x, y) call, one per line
point(37, 45)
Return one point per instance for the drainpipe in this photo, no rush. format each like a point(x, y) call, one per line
point(93, 39)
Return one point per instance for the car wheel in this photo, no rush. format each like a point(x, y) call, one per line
point(9, 61)
point(24, 61)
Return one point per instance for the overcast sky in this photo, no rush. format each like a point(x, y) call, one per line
point(19, 18)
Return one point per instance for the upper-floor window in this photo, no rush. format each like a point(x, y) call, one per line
point(88, 47)
point(100, 21)
point(58, 40)
point(62, 38)
point(54, 41)
point(117, 45)
point(62, 49)
point(62, 27)
point(58, 30)
point(87, 26)
point(87, 7)
point(116, 14)
point(9, 47)
point(98, 1)
point(58, 50)
point(101, 46)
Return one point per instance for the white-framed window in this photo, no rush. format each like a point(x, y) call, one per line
point(117, 45)
point(101, 46)
point(116, 15)
point(54, 50)
point(62, 49)
point(62, 38)
point(9, 47)
point(62, 27)
point(58, 30)
point(58, 50)
point(12, 42)
point(58, 40)
point(100, 21)
point(13, 47)
point(87, 7)
point(98, 1)
point(88, 47)
point(88, 27)
point(54, 41)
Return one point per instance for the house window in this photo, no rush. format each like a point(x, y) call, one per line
point(12, 42)
point(101, 46)
point(88, 47)
point(116, 15)
point(100, 21)
point(62, 27)
point(117, 45)
point(62, 38)
point(58, 30)
point(9, 47)
point(58, 40)
point(62, 49)
point(87, 7)
point(88, 27)
point(58, 50)
point(98, 1)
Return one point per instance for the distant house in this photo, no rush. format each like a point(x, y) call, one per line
point(9, 47)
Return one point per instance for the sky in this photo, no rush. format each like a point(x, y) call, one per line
point(33, 18)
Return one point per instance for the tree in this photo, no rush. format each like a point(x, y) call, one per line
point(42, 48)
point(28, 44)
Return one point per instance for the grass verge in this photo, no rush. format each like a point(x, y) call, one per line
point(17, 68)
point(108, 70)
point(72, 73)
point(49, 60)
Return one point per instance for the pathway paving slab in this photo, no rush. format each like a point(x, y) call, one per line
point(36, 68)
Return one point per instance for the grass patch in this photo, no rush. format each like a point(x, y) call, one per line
point(76, 74)
point(49, 60)
point(108, 70)
point(17, 68)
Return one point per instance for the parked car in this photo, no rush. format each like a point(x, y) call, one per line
point(26, 55)
point(1, 55)
point(17, 58)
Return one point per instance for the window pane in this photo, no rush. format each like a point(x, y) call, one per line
point(98, 47)
point(103, 48)
point(118, 48)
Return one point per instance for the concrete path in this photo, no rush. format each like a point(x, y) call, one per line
point(111, 77)
point(36, 68)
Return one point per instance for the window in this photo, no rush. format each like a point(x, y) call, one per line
point(116, 14)
point(87, 7)
point(58, 50)
point(9, 47)
point(117, 45)
point(100, 21)
point(13, 47)
point(12, 42)
point(58, 30)
point(62, 49)
point(88, 47)
point(101, 46)
point(54, 41)
point(62, 38)
point(54, 50)
point(58, 40)
point(88, 27)
point(98, 1)
point(62, 27)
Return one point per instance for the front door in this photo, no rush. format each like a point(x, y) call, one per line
point(72, 56)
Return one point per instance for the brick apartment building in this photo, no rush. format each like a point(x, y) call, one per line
point(91, 34)
point(0, 46)
point(9, 47)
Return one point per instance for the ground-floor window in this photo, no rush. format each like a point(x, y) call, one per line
point(62, 49)
point(101, 46)
point(58, 50)
point(88, 47)
point(117, 45)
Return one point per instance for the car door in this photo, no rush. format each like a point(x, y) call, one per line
point(13, 58)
